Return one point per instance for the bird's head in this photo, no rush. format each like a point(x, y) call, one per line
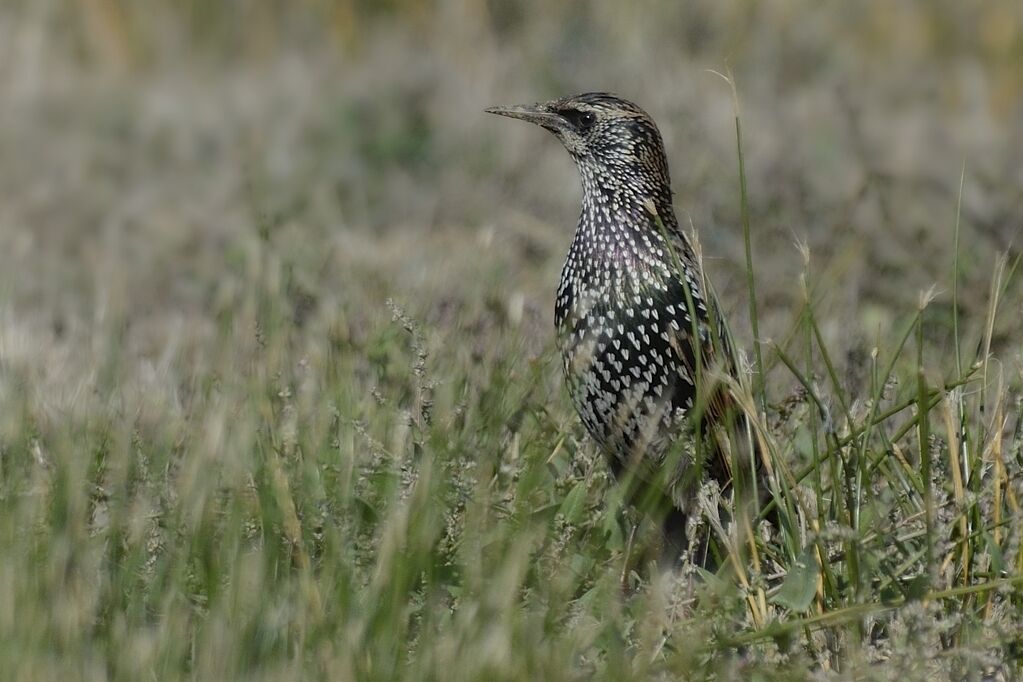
point(605, 134)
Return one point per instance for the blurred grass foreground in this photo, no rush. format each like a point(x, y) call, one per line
point(278, 395)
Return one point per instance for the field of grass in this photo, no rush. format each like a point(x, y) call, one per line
point(279, 397)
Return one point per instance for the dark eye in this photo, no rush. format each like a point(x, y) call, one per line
point(581, 120)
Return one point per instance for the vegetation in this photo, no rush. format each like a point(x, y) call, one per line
point(278, 393)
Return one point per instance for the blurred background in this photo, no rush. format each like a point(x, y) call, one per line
point(151, 153)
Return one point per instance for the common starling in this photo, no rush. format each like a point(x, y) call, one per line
point(642, 341)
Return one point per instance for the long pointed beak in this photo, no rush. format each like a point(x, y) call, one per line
point(534, 113)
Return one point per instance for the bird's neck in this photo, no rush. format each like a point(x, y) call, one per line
point(620, 247)
point(626, 197)
point(623, 216)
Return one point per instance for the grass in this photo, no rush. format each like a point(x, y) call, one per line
point(279, 397)
point(404, 499)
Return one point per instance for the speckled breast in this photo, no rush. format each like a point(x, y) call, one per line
point(624, 336)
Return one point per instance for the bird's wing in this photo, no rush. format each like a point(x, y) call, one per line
point(701, 347)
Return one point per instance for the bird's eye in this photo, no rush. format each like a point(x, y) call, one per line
point(582, 120)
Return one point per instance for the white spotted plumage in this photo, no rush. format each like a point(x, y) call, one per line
point(621, 309)
point(630, 286)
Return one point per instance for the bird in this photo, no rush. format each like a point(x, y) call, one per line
point(645, 349)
